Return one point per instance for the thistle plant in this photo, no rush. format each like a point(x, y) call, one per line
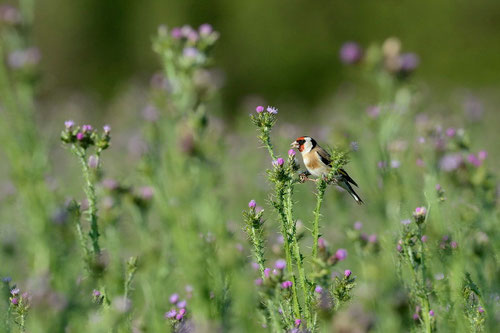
point(19, 306)
point(412, 251)
point(473, 305)
point(291, 290)
point(81, 140)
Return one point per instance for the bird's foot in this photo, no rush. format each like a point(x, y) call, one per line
point(303, 177)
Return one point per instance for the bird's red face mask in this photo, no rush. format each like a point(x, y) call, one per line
point(299, 143)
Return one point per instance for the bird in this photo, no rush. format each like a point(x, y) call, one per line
point(318, 163)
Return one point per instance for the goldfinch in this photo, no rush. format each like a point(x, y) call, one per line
point(318, 163)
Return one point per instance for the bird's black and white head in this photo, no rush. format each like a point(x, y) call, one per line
point(304, 144)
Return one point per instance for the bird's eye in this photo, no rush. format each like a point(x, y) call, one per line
point(301, 142)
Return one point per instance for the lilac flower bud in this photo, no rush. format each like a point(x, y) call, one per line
point(318, 289)
point(424, 238)
point(473, 160)
point(350, 53)
point(372, 238)
point(174, 298)
point(255, 265)
point(205, 29)
point(321, 243)
point(280, 264)
point(406, 222)
point(291, 152)
point(409, 62)
point(182, 304)
point(14, 291)
point(107, 129)
point(190, 52)
point(266, 272)
point(358, 225)
point(482, 155)
point(480, 309)
point(14, 301)
point(86, 128)
point(146, 193)
point(69, 124)
point(272, 110)
point(278, 162)
point(181, 314)
point(170, 314)
point(7, 279)
point(419, 214)
point(286, 284)
point(395, 164)
point(438, 187)
point(176, 33)
point(252, 204)
point(450, 162)
point(416, 316)
point(431, 313)
point(450, 132)
point(453, 244)
point(341, 254)
point(80, 136)
point(258, 282)
point(96, 293)
point(192, 36)
point(297, 322)
point(259, 109)
point(347, 273)
point(93, 162)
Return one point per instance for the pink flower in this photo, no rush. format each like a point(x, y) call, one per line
point(286, 284)
point(341, 254)
point(482, 155)
point(80, 136)
point(473, 160)
point(252, 204)
point(291, 152)
point(347, 273)
point(259, 109)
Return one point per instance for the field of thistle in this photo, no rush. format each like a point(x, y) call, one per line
point(176, 219)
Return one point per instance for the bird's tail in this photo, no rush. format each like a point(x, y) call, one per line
point(345, 185)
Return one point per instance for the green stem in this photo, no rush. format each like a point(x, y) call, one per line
point(321, 185)
point(266, 140)
point(259, 251)
point(92, 199)
point(296, 253)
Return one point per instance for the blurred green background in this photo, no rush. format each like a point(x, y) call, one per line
point(277, 49)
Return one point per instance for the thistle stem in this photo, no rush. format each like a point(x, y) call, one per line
point(321, 187)
point(259, 251)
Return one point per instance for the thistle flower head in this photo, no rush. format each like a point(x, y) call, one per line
point(318, 289)
point(272, 110)
point(358, 225)
point(297, 322)
point(205, 29)
point(174, 298)
point(182, 304)
point(347, 273)
point(350, 53)
point(14, 291)
point(87, 128)
point(278, 162)
point(431, 313)
point(280, 264)
point(14, 300)
point(291, 152)
point(419, 214)
point(341, 254)
point(252, 204)
point(170, 314)
point(259, 109)
point(107, 129)
point(80, 136)
point(286, 284)
point(69, 124)
point(176, 33)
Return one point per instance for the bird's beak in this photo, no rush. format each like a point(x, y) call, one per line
point(294, 144)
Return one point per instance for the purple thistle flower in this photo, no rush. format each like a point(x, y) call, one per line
point(482, 155)
point(318, 289)
point(9, 14)
point(14, 301)
point(350, 53)
point(450, 132)
point(431, 313)
point(280, 264)
point(291, 152)
point(341, 254)
point(406, 222)
point(69, 124)
point(451, 162)
point(286, 284)
point(373, 111)
point(272, 110)
point(409, 62)
point(258, 282)
point(354, 146)
point(297, 322)
point(192, 36)
point(14, 291)
point(252, 204)
point(372, 238)
point(266, 272)
point(480, 309)
point(395, 164)
point(107, 129)
point(259, 109)
point(474, 160)
point(278, 162)
point(96, 293)
point(347, 273)
point(170, 314)
point(86, 128)
point(416, 316)
point(174, 298)
point(420, 211)
point(7, 279)
point(255, 265)
point(93, 162)
point(181, 314)
point(438, 187)
point(190, 52)
point(146, 193)
point(453, 244)
point(321, 243)
point(358, 225)
point(205, 29)
point(80, 136)
point(424, 238)
point(176, 33)
point(182, 304)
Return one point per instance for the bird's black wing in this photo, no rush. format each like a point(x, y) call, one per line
point(347, 177)
point(324, 156)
